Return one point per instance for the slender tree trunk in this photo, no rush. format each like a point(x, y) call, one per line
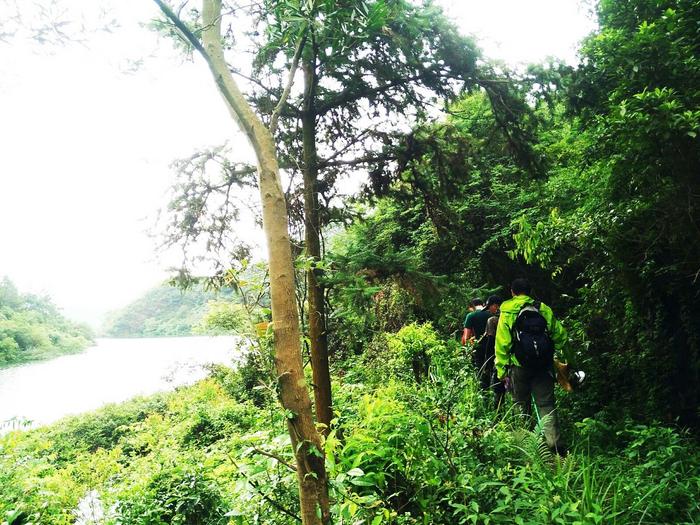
point(293, 391)
point(317, 309)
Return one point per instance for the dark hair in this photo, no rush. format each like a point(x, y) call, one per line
point(493, 299)
point(520, 287)
point(477, 302)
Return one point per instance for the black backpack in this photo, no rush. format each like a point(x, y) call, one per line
point(532, 345)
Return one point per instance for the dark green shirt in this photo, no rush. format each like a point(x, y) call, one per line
point(477, 322)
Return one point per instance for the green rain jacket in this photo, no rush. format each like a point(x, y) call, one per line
point(504, 332)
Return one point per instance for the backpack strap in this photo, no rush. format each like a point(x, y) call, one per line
point(536, 305)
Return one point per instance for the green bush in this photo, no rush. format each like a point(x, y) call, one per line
point(101, 429)
point(434, 452)
point(248, 381)
point(174, 495)
point(404, 354)
point(207, 424)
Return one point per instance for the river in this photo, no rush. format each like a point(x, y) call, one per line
point(112, 371)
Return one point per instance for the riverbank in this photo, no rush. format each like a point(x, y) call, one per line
point(32, 328)
point(31, 343)
point(218, 452)
point(47, 354)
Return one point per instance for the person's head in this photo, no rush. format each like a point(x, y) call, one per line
point(520, 287)
point(476, 304)
point(493, 303)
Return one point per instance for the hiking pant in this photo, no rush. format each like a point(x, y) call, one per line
point(499, 391)
point(540, 386)
point(486, 378)
point(482, 365)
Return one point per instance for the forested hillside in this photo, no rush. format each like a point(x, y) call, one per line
point(358, 404)
point(162, 311)
point(32, 328)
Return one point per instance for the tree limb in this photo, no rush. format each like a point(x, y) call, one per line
point(349, 94)
point(294, 111)
point(275, 456)
point(180, 25)
point(290, 82)
point(354, 162)
point(216, 62)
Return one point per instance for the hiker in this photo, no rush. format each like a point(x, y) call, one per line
point(475, 305)
point(526, 339)
point(475, 323)
point(493, 304)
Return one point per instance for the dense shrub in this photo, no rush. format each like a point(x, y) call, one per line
point(174, 495)
point(32, 328)
point(435, 453)
point(102, 429)
point(410, 453)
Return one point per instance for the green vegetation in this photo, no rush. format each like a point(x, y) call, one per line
point(582, 179)
point(163, 311)
point(32, 328)
point(591, 191)
point(410, 453)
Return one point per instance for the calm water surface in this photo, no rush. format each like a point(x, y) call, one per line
point(112, 371)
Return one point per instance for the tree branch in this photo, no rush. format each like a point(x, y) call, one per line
point(349, 94)
point(290, 82)
point(214, 57)
point(275, 456)
point(180, 25)
point(292, 108)
point(354, 162)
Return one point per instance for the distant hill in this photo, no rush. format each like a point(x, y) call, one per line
point(162, 311)
point(32, 328)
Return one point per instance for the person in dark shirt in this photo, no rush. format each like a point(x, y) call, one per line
point(475, 305)
point(475, 323)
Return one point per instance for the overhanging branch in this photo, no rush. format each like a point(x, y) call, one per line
point(182, 27)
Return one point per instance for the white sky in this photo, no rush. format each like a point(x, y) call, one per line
point(85, 145)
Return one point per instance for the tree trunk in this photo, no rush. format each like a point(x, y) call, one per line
point(317, 309)
point(293, 392)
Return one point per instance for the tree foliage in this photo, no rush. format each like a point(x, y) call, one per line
point(606, 228)
point(584, 179)
point(164, 311)
point(32, 327)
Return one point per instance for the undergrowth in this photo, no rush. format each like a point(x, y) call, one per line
point(414, 442)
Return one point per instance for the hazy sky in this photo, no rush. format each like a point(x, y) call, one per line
point(87, 139)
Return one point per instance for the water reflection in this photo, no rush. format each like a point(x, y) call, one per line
point(112, 371)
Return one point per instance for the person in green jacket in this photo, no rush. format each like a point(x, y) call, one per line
point(527, 383)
